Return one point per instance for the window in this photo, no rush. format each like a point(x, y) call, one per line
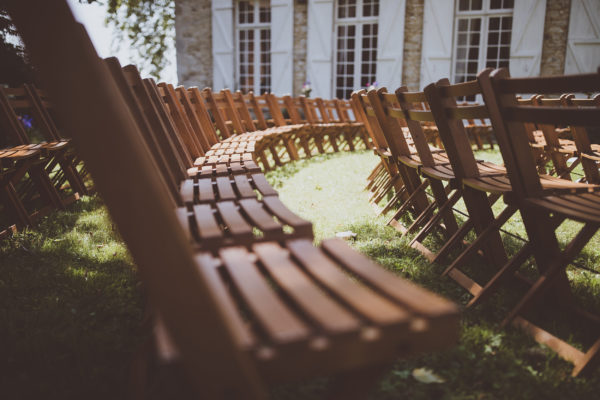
point(356, 45)
point(253, 32)
point(482, 37)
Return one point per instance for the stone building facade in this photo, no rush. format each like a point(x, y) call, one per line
point(342, 45)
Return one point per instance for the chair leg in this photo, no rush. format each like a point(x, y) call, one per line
point(553, 273)
point(453, 241)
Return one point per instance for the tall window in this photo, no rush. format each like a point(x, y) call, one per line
point(482, 36)
point(356, 45)
point(254, 45)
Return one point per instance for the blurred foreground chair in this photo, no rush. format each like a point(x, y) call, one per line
point(239, 318)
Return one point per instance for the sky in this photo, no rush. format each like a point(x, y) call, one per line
point(92, 17)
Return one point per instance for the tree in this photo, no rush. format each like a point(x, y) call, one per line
point(15, 68)
point(149, 25)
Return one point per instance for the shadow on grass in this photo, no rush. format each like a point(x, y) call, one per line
point(70, 308)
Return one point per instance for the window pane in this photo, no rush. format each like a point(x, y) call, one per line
point(476, 5)
point(494, 24)
point(265, 12)
point(463, 5)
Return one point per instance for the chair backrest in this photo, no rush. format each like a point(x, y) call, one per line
point(278, 109)
point(85, 95)
point(217, 112)
point(13, 131)
point(168, 170)
point(416, 112)
point(183, 124)
point(385, 108)
point(27, 101)
point(200, 108)
point(372, 124)
point(588, 157)
point(508, 118)
point(255, 109)
point(449, 116)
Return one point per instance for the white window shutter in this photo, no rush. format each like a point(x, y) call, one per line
point(436, 59)
point(390, 43)
point(222, 45)
point(320, 47)
point(583, 42)
point(282, 43)
point(527, 37)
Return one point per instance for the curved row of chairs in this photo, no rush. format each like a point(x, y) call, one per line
point(242, 298)
point(534, 180)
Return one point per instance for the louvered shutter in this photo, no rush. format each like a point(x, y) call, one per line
point(319, 47)
point(527, 37)
point(583, 42)
point(282, 43)
point(222, 45)
point(390, 43)
point(436, 60)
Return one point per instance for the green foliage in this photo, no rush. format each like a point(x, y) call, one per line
point(149, 26)
point(14, 67)
point(70, 308)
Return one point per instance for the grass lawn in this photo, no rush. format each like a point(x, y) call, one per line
point(71, 303)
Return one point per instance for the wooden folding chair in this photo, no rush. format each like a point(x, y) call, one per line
point(542, 212)
point(385, 182)
point(412, 107)
point(304, 317)
point(58, 154)
point(28, 191)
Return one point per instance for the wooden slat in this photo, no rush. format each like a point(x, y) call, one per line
point(236, 224)
point(314, 302)
point(300, 225)
point(243, 186)
point(225, 189)
point(263, 220)
point(209, 232)
point(271, 312)
point(206, 193)
point(409, 295)
point(263, 186)
point(371, 305)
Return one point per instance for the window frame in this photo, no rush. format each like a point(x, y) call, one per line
point(256, 26)
point(485, 14)
point(358, 21)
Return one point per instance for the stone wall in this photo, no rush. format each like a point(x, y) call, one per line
point(300, 44)
point(413, 37)
point(194, 42)
point(556, 28)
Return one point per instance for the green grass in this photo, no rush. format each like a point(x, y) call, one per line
point(488, 363)
point(71, 304)
point(70, 308)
